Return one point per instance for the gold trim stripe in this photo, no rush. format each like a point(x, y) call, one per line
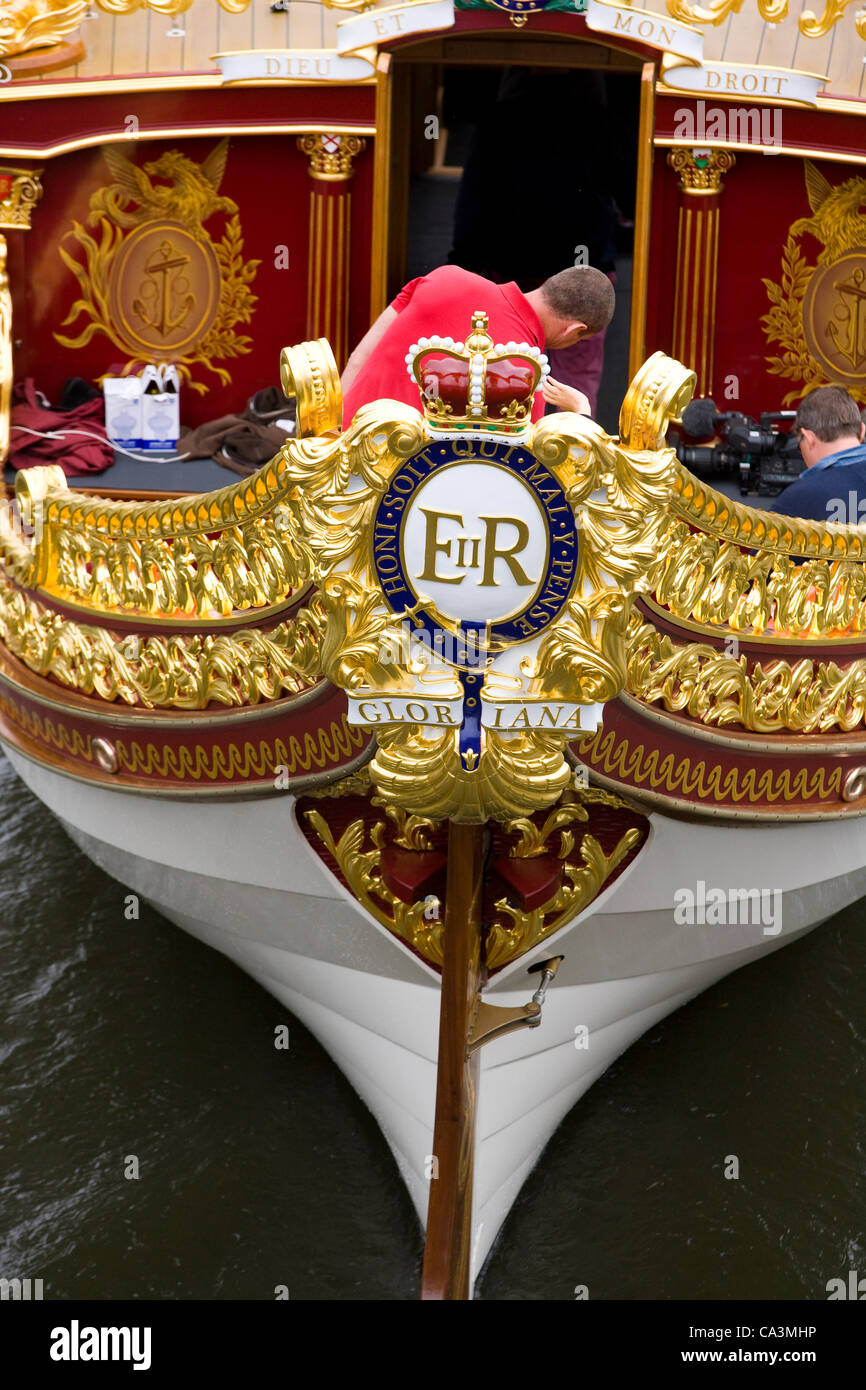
point(176, 132)
point(636, 765)
point(195, 762)
point(668, 142)
point(697, 234)
point(57, 736)
point(243, 761)
point(643, 210)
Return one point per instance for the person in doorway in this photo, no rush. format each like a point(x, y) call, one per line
point(577, 220)
point(830, 432)
point(568, 307)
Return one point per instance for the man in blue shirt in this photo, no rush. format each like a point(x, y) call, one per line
point(830, 433)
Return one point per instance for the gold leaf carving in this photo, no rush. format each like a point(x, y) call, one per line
point(772, 12)
point(360, 868)
point(205, 556)
point(582, 884)
point(720, 690)
point(26, 24)
point(175, 671)
point(136, 206)
point(533, 838)
point(413, 832)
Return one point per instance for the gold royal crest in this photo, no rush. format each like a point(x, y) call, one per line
point(476, 569)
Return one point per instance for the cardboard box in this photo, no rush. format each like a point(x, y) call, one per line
point(160, 421)
point(122, 410)
point(136, 416)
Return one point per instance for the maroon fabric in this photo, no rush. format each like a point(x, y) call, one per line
point(75, 453)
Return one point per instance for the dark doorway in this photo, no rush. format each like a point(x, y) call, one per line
point(495, 161)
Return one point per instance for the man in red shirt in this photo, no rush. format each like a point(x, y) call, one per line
point(568, 307)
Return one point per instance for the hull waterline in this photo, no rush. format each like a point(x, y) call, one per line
point(242, 878)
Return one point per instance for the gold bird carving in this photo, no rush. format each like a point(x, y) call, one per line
point(190, 198)
point(26, 24)
point(839, 217)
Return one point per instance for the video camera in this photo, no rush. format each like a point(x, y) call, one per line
point(764, 457)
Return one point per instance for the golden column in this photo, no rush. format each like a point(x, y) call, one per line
point(331, 169)
point(20, 191)
point(700, 173)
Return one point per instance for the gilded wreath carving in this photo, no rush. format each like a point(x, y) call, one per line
point(812, 26)
point(818, 311)
point(152, 279)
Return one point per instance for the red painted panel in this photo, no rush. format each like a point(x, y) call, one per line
point(763, 195)
point(267, 177)
point(800, 127)
point(42, 124)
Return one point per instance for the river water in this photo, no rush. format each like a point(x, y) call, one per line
point(127, 1047)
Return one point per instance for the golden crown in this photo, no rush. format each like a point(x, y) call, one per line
point(476, 385)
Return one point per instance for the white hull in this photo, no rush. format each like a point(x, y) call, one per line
point(241, 877)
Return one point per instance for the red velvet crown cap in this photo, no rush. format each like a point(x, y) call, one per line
point(478, 384)
point(447, 378)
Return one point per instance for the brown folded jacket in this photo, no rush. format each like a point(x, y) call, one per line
point(239, 444)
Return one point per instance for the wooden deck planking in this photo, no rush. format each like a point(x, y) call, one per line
point(98, 37)
point(202, 23)
point(307, 27)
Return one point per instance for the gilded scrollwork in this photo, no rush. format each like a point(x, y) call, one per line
point(206, 556)
point(619, 490)
point(810, 25)
point(177, 671)
point(511, 931)
point(701, 175)
point(581, 884)
point(726, 566)
point(331, 154)
point(360, 868)
point(723, 690)
point(533, 839)
point(815, 26)
point(24, 192)
point(26, 24)
point(242, 567)
point(411, 832)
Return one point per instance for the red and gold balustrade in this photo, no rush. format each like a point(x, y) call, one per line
point(177, 645)
point(746, 686)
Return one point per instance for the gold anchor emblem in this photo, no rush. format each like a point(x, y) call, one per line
point(168, 264)
point(853, 315)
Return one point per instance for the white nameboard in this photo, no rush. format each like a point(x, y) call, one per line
point(378, 26)
point(443, 712)
point(738, 80)
point(646, 27)
point(510, 716)
point(293, 65)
